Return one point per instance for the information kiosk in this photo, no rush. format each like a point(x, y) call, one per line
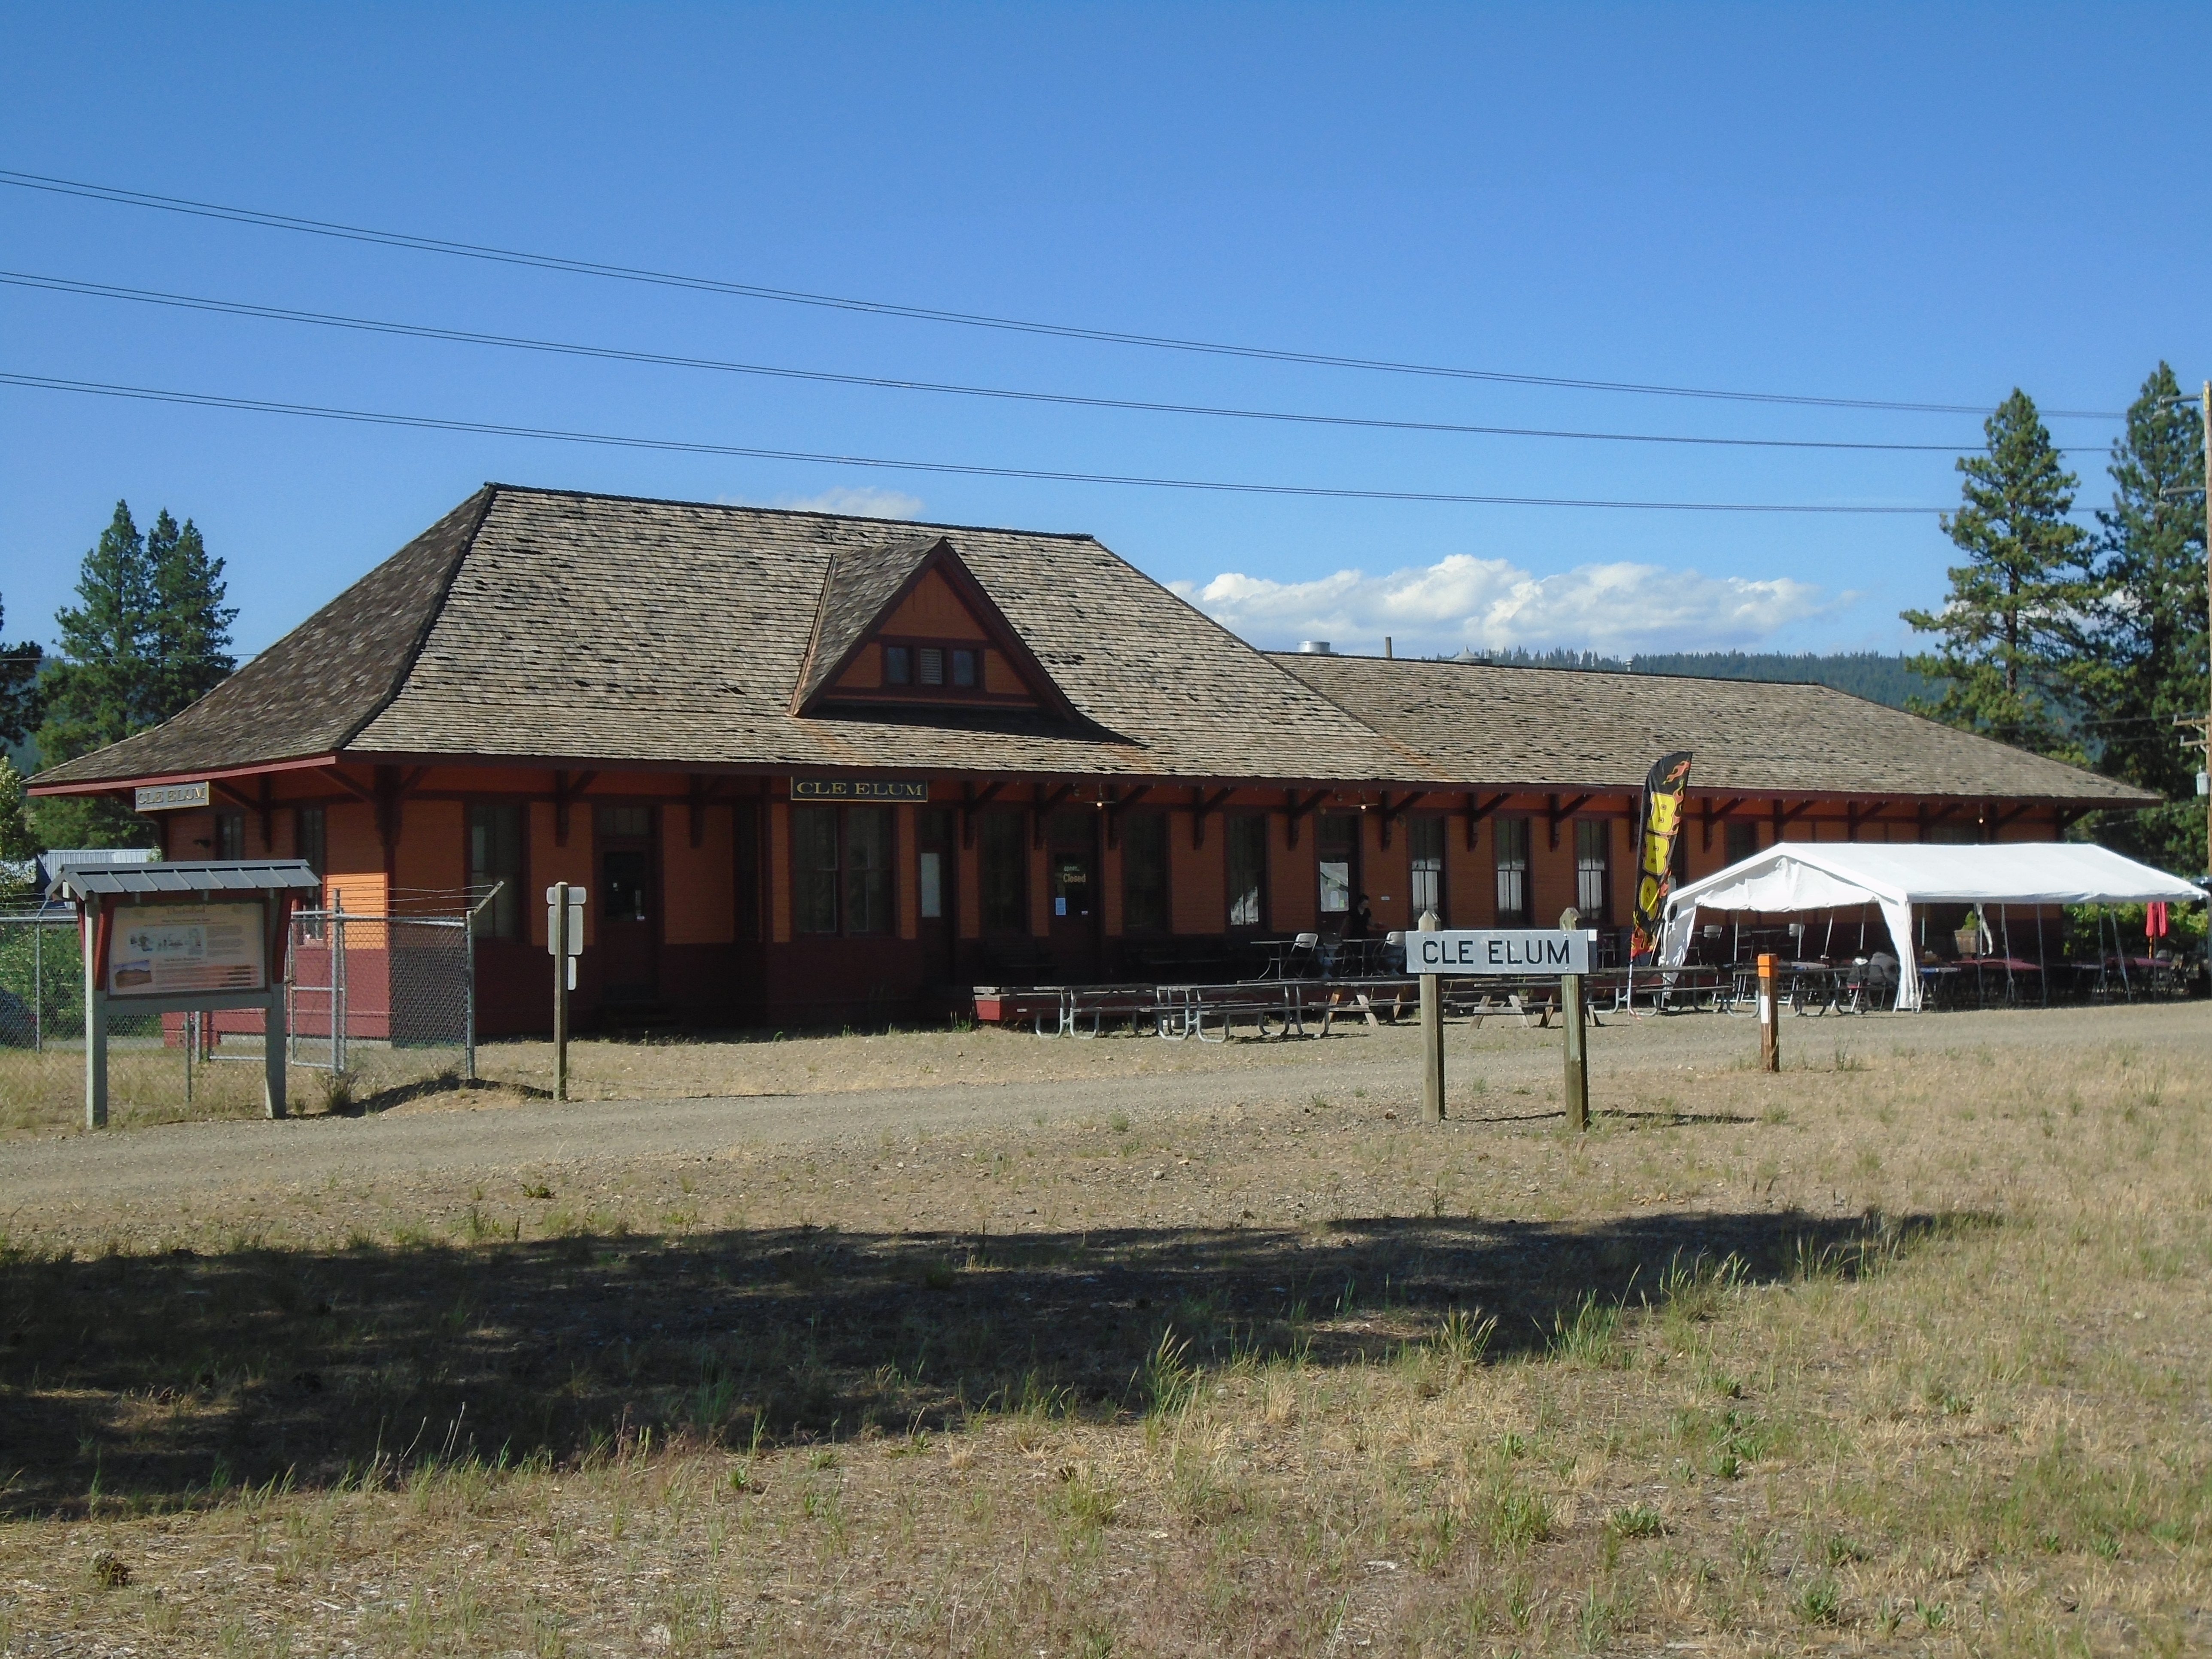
point(186, 938)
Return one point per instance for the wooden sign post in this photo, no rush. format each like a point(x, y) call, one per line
point(1770, 1025)
point(1571, 1014)
point(1433, 951)
point(1432, 1034)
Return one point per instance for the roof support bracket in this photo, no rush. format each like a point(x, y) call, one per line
point(1478, 810)
point(1855, 814)
point(1115, 807)
point(1391, 814)
point(971, 798)
point(1045, 802)
point(567, 788)
point(1554, 813)
point(1294, 808)
point(702, 789)
point(1202, 806)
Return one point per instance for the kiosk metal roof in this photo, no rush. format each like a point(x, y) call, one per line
point(193, 876)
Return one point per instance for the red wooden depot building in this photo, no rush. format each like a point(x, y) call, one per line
point(812, 767)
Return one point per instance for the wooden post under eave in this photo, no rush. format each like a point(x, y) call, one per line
point(1432, 1034)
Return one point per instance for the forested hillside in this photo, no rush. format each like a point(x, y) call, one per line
point(1872, 674)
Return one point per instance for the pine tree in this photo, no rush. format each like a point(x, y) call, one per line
point(2016, 627)
point(98, 693)
point(2152, 649)
point(190, 643)
point(19, 683)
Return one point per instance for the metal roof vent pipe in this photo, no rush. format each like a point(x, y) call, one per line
point(1315, 648)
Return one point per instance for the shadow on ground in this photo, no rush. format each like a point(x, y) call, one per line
point(156, 1380)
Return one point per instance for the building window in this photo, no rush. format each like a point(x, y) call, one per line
point(1337, 836)
point(310, 837)
point(1002, 872)
point(1510, 843)
point(841, 869)
point(495, 860)
point(229, 832)
point(1743, 842)
point(963, 669)
point(1248, 871)
point(898, 666)
point(626, 822)
point(930, 659)
point(1427, 839)
point(1145, 874)
point(1593, 869)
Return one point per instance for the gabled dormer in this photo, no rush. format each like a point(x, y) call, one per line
point(908, 626)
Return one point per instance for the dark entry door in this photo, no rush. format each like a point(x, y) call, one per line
point(939, 905)
point(630, 956)
point(1073, 863)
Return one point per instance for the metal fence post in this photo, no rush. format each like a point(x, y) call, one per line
point(39, 987)
point(469, 996)
point(337, 986)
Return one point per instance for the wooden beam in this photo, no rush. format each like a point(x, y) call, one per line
point(269, 816)
point(1115, 807)
point(1554, 812)
point(1201, 807)
point(2019, 811)
point(566, 790)
point(234, 794)
point(970, 799)
point(1293, 810)
point(1855, 813)
point(1391, 814)
point(700, 791)
point(1478, 810)
point(1044, 800)
point(357, 791)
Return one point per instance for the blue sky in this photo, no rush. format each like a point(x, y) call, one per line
point(1899, 204)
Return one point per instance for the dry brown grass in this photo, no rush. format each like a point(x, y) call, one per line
point(1900, 1348)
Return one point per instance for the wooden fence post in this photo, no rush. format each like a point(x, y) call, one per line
point(1770, 1023)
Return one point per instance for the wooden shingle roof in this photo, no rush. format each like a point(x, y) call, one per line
point(539, 626)
point(610, 630)
point(1497, 725)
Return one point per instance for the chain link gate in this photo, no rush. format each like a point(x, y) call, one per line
point(383, 999)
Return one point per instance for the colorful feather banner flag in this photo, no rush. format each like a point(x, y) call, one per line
point(1664, 787)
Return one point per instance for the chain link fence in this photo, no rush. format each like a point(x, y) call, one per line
point(376, 1005)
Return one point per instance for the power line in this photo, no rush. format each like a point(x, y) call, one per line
point(138, 199)
point(426, 422)
point(667, 359)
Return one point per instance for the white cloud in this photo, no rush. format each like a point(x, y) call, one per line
point(1494, 604)
point(860, 503)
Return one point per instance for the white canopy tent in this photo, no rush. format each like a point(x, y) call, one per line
point(1838, 875)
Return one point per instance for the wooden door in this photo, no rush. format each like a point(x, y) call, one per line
point(1072, 865)
point(937, 868)
point(628, 905)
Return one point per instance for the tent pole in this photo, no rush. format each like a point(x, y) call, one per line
point(2004, 933)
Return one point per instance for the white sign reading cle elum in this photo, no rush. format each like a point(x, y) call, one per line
point(1524, 950)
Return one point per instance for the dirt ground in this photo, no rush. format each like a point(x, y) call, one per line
point(972, 1343)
